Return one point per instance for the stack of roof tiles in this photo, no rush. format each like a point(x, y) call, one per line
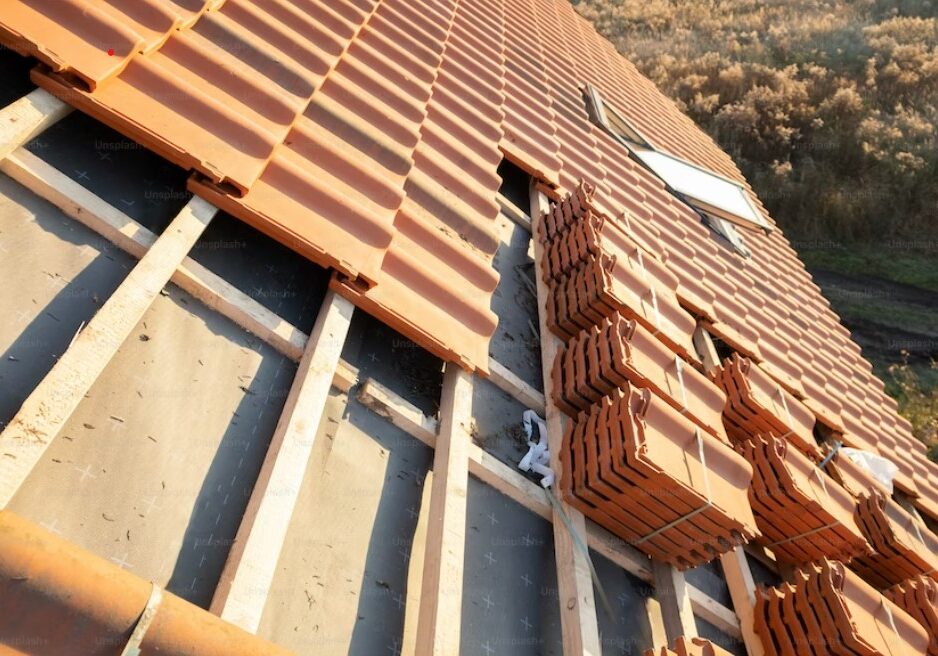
point(904, 546)
point(830, 610)
point(604, 357)
point(594, 270)
point(756, 404)
point(689, 647)
point(919, 598)
point(803, 515)
point(645, 455)
point(637, 467)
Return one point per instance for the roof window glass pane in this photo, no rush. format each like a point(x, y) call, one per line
point(708, 191)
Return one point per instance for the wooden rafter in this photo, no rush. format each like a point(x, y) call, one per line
point(511, 384)
point(578, 621)
point(514, 213)
point(673, 594)
point(742, 592)
point(438, 622)
point(245, 582)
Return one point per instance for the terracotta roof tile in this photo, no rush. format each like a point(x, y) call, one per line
point(58, 598)
point(803, 516)
point(918, 597)
point(830, 610)
point(903, 545)
point(60, 32)
point(689, 646)
point(646, 455)
point(202, 100)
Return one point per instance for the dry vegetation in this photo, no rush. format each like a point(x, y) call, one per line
point(830, 107)
point(918, 402)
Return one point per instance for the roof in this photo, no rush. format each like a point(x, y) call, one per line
point(367, 137)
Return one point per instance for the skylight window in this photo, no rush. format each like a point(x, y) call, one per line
point(729, 232)
point(607, 116)
point(713, 195)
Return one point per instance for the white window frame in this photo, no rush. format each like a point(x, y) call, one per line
point(636, 143)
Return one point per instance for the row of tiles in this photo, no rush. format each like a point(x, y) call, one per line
point(804, 516)
point(903, 545)
point(919, 598)
point(618, 351)
point(366, 135)
point(829, 610)
point(362, 134)
point(649, 462)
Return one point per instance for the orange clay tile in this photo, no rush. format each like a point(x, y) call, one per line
point(903, 544)
point(918, 596)
point(829, 610)
point(756, 404)
point(57, 598)
point(689, 646)
point(802, 513)
point(633, 464)
point(618, 351)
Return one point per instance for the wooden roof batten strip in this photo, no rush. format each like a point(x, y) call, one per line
point(246, 580)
